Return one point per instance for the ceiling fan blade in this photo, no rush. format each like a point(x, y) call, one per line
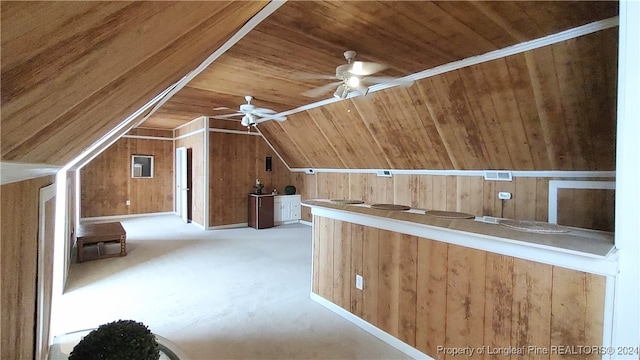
point(365, 68)
point(269, 117)
point(309, 76)
point(227, 115)
point(388, 80)
point(321, 90)
point(263, 111)
point(273, 117)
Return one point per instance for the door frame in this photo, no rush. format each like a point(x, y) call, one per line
point(44, 293)
point(182, 186)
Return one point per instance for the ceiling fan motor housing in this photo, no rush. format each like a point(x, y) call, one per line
point(342, 71)
point(246, 108)
point(349, 55)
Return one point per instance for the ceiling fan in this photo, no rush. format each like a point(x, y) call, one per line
point(251, 115)
point(354, 75)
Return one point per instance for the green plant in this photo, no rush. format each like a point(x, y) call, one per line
point(118, 340)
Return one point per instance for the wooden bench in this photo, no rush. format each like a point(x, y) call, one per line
point(99, 234)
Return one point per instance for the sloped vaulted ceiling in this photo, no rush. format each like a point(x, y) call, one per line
point(552, 108)
point(409, 36)
point(72, 71)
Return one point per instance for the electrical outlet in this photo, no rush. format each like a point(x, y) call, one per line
point(504, 195)
point(359, 282)
point(128, 202)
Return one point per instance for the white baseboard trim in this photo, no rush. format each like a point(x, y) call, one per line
point(115, 217)
point(286, 222)
point(305, 222)
point(384, 336)
point(230, 226)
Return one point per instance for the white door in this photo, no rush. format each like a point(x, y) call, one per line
point(181, 183)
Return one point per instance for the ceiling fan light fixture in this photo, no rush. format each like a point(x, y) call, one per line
point(341, 92)
point(364, 90)
point(353, 76)
point(353, 81)
point(248, 120)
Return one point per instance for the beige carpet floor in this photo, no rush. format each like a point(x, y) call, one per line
point(220, 294)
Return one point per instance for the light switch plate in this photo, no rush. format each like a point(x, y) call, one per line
point(359, 282)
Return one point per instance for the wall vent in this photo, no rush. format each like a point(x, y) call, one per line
point(385, 173)
point(498, 175)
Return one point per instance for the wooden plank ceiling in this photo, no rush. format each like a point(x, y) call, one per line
point(72, 71)
point(409, 36)
point(552, 108)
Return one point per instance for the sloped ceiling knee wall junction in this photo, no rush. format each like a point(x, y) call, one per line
point(552, 108)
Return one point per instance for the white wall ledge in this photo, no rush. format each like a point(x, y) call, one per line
point(606, 264)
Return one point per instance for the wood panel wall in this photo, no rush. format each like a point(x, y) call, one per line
point(552, 108)
point(429, 294)
point(470, 194)
point(19, 246)
point(236, 161)
point(106, 182)
point(587, 208)
point(195, 148)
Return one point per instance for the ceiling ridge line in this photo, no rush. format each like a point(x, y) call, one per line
point(478, 59)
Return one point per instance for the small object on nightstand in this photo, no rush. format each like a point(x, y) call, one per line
point(289, 189)
point(258, 187)
point(274, 192)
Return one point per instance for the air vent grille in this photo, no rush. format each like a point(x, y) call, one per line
point(384, 173)
point(498, 175)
